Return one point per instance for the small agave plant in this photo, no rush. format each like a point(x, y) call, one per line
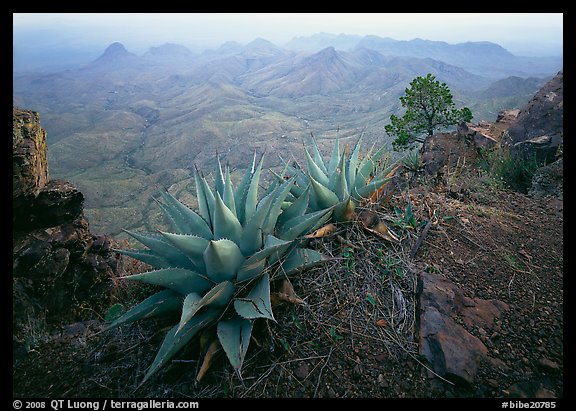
point(216, 264)
point(341, 183)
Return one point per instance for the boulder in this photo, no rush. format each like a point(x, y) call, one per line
point(543, 149)
point(452, 351)
point(548, 181)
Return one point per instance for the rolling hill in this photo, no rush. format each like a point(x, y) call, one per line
point(124, 126)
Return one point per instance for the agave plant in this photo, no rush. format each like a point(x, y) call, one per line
point(216, 263)
point(341, 183)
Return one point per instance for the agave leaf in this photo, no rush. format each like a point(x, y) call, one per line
point(228, 196)
point(296, 209)
point(271, 245)
point(234, 336)
point(248, 271)
point(335, 157)
point(370, 188)
point(341, 188)
point(318, 157)
point(163, 248)
point(344, 211)
point(185, 220)
point(252, 233)
point(159, 303)
point(299, 225)
point(222, 259)
point(366, 169)
point(178, 279)
point(314, 170)
point(205, 198)
point(257, 303)
point(219, 179)
point(174, 342)
point(324, 197)
point(226, 225)
point(146, 256)
point(217, 297)
point(190, 245)
point(353, 163)
point(364, 173)
point(252, 194)
point(300, 259)
point(242, 191)
point(377, 195)
point(276, 207)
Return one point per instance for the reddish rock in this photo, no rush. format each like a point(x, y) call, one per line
point(452, 351)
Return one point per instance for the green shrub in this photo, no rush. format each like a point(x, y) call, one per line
point(508, 172)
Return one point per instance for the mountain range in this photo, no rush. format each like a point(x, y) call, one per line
point(124, 125)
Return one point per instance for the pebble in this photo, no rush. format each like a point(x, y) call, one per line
point(548, 365)
point(302, 371)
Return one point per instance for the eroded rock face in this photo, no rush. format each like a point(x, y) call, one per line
point(59, 266)
point(29, 154)
point(452, 351)
point(538, 129)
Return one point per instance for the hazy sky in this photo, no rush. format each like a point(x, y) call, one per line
point(137, 31)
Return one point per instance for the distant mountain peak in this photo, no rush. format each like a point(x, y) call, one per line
point(115, 48)
point(170, 49)
point(328, 55)
point(260, 42)
point(114, 53)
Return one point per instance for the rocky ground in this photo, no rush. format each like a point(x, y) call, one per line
point(490, 261)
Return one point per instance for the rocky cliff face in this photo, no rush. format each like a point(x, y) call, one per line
point(539, 128)
point(60, 269)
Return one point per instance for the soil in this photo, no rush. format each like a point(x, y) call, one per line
point(355, 336)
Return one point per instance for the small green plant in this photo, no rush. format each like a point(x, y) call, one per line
point(349, 260)
point(405, 219)
point(335, 336)
point(413, 161)
point(216, 264)
point(508, 172)
point(391, 266)
point(285, 344)
point(370, 299)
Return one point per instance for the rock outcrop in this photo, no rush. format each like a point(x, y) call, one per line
point(539, 128)
point(61, 271)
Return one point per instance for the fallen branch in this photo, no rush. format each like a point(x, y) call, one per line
point(418, 243)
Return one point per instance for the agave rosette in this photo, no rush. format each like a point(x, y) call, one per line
point(215, 265)
point(340, 183)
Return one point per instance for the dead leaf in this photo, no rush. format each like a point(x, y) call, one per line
point(286, 294)
point(212, 349)
point(368, 218)
point(372, 223)
point(382, 230)
point(324, 231)
point(382, 323)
